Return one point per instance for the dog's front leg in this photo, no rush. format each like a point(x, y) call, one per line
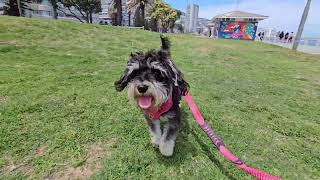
point(170, 132)
point(155, 131)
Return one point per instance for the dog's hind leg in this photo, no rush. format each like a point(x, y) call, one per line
point(155, 132)
point(170, 132)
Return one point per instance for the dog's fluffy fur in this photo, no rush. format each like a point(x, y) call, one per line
point(155, 71)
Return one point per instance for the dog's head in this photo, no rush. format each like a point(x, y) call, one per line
point(151, 77)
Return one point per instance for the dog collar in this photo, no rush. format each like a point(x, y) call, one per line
point(165, 107)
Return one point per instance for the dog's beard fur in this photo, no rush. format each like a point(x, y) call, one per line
point(156, 90)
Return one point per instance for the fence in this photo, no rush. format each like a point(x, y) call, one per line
point(303, 41)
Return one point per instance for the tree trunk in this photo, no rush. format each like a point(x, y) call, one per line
point(120, 13)
point(301, 26)
point(54, 9)
point(90, 17)
point(129, 18)
point(142, 8)
point(19, 7)
point(87, 17)
point(11, 8)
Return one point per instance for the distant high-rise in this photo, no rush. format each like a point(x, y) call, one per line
point(192, 17)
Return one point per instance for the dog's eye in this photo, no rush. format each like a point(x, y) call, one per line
point(159, 74)
point(157, 71)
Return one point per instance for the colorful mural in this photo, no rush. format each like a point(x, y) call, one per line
point(237, 30)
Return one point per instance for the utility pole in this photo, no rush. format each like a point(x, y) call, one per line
point(301, 26)
point(237, 3)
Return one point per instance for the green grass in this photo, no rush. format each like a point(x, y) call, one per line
point(60, 114)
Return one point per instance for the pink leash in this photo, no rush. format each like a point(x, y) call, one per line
point(260, 175)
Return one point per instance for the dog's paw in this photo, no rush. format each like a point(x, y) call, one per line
point(167, 147)
point(155, 141)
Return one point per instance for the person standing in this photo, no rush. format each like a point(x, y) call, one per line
point(290, 38)
point(262, 36)
point(259, 34)
point(286, 37)
point(281, 36)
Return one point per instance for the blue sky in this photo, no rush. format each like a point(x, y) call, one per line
point(283, 14)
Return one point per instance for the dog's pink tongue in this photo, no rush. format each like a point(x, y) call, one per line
point(144, 102)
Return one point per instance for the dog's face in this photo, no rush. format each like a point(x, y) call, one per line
point(150, 78)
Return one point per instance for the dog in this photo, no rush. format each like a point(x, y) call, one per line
point(156, 85)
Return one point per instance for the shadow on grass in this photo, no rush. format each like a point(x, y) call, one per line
point(211, 156)
point(184, 148)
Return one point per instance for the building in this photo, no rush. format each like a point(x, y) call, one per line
point(1, 6)
point(105, 15)
point(180, 23)
point(133, 8)
point(202, 26)
point(42, 9)
point(191, 18)
point(39, 8)
point(235, 25)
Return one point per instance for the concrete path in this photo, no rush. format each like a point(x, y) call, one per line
point(302, 48)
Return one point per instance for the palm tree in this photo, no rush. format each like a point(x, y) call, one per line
point(54, 8)
point(16, 7)
point(11, 8)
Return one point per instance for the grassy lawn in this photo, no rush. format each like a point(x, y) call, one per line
point(61, 117)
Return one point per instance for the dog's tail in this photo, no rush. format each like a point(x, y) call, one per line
point(165, 43)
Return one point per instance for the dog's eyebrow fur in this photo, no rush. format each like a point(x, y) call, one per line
point(157, 65)
point(132, 65)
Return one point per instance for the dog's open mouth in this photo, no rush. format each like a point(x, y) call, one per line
point(145, 102)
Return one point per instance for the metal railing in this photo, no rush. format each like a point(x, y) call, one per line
point(303, 41)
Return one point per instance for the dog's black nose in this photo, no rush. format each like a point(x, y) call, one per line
point(142, 88)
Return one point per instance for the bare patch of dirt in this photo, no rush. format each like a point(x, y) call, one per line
point(313, 80)
point(91, 165)
point(3, 99)
point(203, 50)
point(11, 167)
point(41, 151)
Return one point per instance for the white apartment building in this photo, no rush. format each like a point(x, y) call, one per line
point(191, 18)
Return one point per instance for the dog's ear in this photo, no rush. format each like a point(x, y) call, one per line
point(122, 82)
point(183, 86)
point(127, 74)
point(178, 78)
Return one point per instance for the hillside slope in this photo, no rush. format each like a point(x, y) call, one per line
point(60, 116)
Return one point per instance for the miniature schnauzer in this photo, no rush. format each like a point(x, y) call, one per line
point(156, 85)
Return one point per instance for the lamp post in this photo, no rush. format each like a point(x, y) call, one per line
point(301, 26)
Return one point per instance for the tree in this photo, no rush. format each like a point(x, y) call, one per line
point(139, 7)
point(11, 8)
point(172, 22)
point(301, 26)
point(80, 9)
point(180, 28)
point(164, 14)
point(54, 8)
point(16, 7)
point(115, 11)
